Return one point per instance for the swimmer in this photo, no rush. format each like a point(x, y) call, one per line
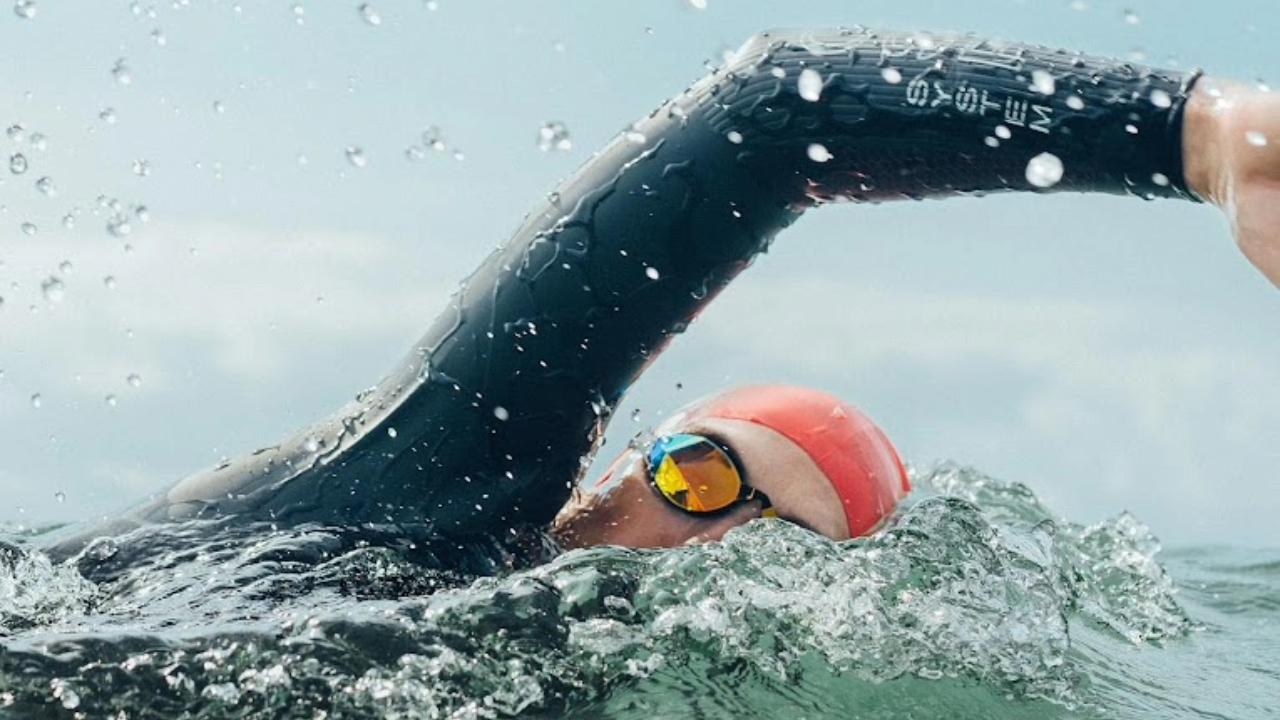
point(484, 429)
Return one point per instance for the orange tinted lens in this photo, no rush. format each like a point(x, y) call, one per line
point(694, 473)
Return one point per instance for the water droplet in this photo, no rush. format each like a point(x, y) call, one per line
point(141, 168)
point(110, 282)
point(810, 84)
point(143, 213)
point(635, 136)
point(735, 137)
point(108, 116)
point(819, 153)
point(29, 228)
point(299, 13)
point(893, 76)
point(391, 432)
point(433, 138)
point(68, 221)
point(16, 133)
point(134, 380)
point(60, 496)
point(370, 15)
point(698, 4)
point(1161, 99)
point(311, 444)
point(53, 289)
point(501, 413)
point(36, 400)
point(1075, 102)
point(652, 273)
point(120, 71)
point(1042, 82)
point(39, 141)
point(1131, 129)
point(991, 142)
point(356, 157)
point(554, 135)
point(157, 36)
point(25, 9)
point(1255, 138)
point(635, 415)
point(1044, 170)
point(17, 163)
point(45, 186)
point(65, 267)
point(218, 107)
point(415, 153)
point(111, 400)
point(1003, 132)
point(118, 226)
point(1131, 17)
point(1160, 179)
point(459, 155)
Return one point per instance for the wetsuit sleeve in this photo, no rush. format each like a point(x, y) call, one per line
point(487, 423)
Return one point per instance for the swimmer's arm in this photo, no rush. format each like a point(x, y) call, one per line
point(1232, 159)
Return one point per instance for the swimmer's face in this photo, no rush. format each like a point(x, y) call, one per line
point(625, 509)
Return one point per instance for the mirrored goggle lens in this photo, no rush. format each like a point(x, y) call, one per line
point(694, 473)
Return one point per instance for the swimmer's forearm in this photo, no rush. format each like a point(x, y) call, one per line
point(853, 114)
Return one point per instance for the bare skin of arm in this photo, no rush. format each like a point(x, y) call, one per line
point(1232, 159)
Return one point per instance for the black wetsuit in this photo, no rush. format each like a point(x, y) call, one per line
point(487, 423)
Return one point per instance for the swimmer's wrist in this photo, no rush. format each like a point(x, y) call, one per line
point(1201, 147)
point(1221, 117)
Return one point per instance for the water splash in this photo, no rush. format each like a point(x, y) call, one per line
point(965, 606)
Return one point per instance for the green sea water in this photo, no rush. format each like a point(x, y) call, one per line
point(977, 602)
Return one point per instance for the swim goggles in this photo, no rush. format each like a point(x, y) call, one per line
point(697, 475)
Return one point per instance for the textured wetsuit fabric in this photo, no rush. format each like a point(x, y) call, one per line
point(485, 425)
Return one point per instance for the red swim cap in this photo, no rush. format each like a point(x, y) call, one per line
point(855, 455)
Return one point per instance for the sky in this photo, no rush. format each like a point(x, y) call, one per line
point(246, 222)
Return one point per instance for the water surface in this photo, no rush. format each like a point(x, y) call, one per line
point(975, 603)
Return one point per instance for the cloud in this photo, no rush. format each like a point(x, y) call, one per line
point(246, 298)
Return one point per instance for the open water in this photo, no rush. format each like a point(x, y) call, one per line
point(976, 603)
